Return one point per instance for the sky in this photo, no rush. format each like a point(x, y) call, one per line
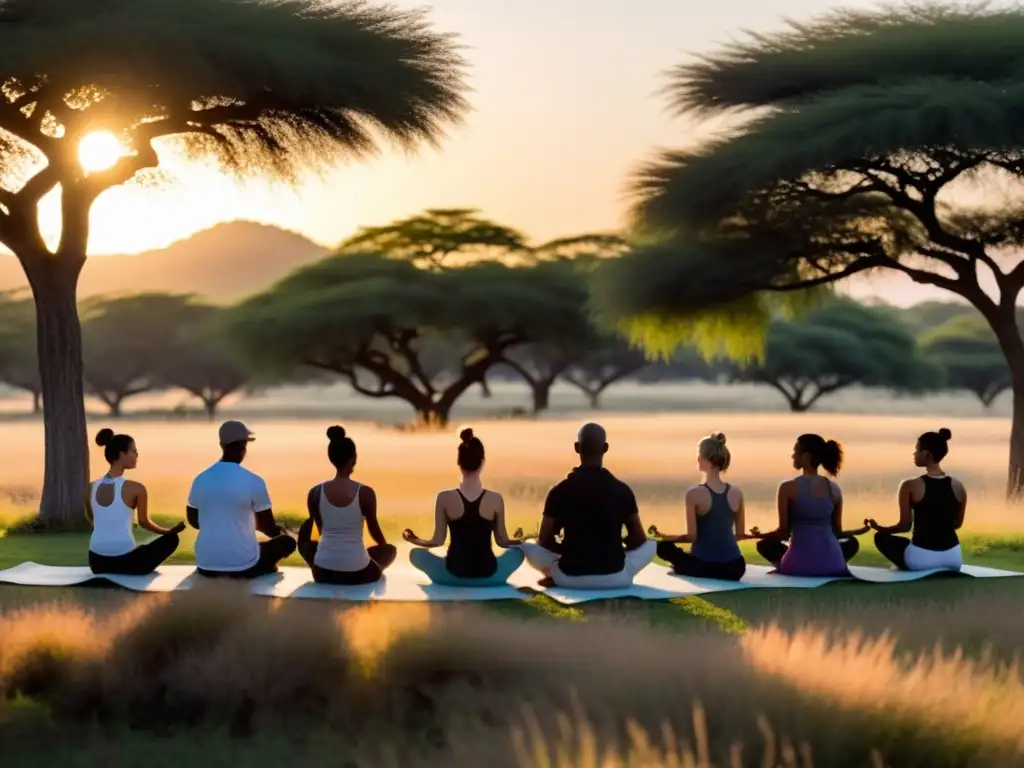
point(565, 105)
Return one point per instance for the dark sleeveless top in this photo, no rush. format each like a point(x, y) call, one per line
point(716, 535)
point(935, 515)
point(469, 552)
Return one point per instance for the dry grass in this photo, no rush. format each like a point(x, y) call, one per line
point(652, 452)
point(456, 686)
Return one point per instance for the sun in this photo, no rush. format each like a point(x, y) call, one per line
point(99, 150)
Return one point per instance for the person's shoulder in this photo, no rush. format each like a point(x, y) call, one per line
point(134, 486)
point(367, 492)
point(697, 492)
point(957, 483)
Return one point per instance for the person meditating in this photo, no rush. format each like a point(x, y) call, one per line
point(113, 503)
point(471, 514)
point(340, 508)
point(932, 506)
point(714, 521)
point(811, 516)
point(228, 504)
point(588, 509)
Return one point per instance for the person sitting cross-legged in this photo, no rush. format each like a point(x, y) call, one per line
point(340, 508)
point(472, 515)
point(589, 509)
point(227, 505)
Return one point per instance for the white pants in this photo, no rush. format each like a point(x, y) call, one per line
point(546, 562)
point(918, 559)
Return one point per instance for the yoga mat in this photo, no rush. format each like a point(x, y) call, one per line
point(401, 583)
point(895, 576)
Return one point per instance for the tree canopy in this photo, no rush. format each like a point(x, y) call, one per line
point(371, 319)
point(969, 352)
point(852, 135)
point(836, 346)
point(264, 87)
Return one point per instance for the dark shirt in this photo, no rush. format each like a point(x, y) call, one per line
point(470, 555)
point(590, 507)
point(935, 515)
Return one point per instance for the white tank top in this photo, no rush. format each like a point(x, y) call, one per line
point(341, 546)
point(111, 526)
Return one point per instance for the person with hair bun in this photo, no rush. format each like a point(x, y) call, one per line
point(340, 508)
point(472, 515)
point(811, 516)
point(714, 521)
point(113, 503)
point(932, 506)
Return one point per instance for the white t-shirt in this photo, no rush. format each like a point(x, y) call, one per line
point(228, 496)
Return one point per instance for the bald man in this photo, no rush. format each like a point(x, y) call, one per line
point(589, 509)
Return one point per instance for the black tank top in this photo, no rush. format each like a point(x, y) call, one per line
point(469, 553)
point(935, 515)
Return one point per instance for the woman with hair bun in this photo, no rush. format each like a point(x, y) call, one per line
point(932, 506)
point(339, 508)
point(811, 516)
point(714, 521)
point(472, 514)
point(113, 503)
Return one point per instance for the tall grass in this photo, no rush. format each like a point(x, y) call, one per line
point(392, 686)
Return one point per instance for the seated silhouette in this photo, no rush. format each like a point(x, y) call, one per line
point(339, 508)
point(588, 509)
point(932, 509)
point(811, 516)
point(471, 515)
point(113, 503)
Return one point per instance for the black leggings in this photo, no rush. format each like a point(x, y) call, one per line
point(142, 560)
point(685, 564)
point(272, 552)
point(773, 548)
point(381, 556)
point(893, 548)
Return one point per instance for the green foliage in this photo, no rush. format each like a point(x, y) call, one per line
point(369, 316)
point(264, 85)
point(971, 356)
point(19, 358)
point(127, 341)
point(835, 346)
point(434, 235)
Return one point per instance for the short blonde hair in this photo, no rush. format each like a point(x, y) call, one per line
point(712, 449)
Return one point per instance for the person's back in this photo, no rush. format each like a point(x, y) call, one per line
point(936, 515)
point(227, 496)
point(470, 554)
point(341, 546)
point(716, 534)
point(814, 549)
point(592, 505)
point(112, 533)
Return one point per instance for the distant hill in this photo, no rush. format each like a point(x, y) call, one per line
point(221, 264)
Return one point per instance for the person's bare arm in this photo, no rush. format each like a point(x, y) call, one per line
point(961, 492)
point(782, 499)
point(313, 508)
point(548, 535)
point(192, 515)
point(141, 500)
point(690, 503)
point(88, 504)
point(904, 497)
point(636, 537)
point(368, 503)
point(440, 527)
point(501, 537)
point(267, 525)
point(740, 516)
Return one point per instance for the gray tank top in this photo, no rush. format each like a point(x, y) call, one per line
point(716, 533)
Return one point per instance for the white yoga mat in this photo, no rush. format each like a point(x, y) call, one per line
point(895, 576)
point(401, 583)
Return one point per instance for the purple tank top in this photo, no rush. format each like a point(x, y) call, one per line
point(813, 547)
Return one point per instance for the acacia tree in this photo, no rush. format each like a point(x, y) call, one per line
point(301, 82)
point(606, 361)
point(856, 132)
point(376, 321)
point(969, 352)
point(19, 363)
point(836, 346)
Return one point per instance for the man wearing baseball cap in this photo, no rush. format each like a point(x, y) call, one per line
point(228, 504)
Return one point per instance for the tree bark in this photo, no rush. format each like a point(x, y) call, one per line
point(54, 285)
point(541, 395)
point(1004, 324)
point(37, 403)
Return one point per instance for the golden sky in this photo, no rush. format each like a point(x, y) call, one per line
point(565, 104)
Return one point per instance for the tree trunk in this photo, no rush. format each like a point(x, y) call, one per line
point(485, 388)
point(66, 474)
point(541, 395)
point(1004, 324)
point(211, 407)
point(37, 403)
point(113, 407)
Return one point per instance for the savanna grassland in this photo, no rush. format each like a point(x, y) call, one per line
point(917, 674)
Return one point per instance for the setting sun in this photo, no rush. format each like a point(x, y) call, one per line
point(99, 150)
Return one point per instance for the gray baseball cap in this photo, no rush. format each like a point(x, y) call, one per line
point(235, 432)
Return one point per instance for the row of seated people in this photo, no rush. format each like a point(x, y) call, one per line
point(580, 542)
